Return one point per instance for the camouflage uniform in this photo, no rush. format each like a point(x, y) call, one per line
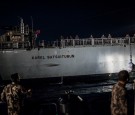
point(13, 95)
point(118, 100)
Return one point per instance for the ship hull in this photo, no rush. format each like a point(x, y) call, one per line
point(65, 62)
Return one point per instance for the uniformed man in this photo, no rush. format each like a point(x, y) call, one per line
point(13, 94)
point(119, 100)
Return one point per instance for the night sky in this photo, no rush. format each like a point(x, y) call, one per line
point(76, 17)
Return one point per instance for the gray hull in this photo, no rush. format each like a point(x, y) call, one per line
point(65, 62)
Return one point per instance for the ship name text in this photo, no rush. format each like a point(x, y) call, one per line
point(53, 56)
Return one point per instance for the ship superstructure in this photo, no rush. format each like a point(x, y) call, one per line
point(65, 57)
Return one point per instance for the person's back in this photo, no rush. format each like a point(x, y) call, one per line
point(13, 95)
point(119, 100)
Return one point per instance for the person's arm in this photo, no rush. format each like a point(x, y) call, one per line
point(26, 93)
point(3, 94)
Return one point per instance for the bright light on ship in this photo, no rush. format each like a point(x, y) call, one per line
point(109, 63)
point(121, 62)
point(109, 58)
point(120, 58)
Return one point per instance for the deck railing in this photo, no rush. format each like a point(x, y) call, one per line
point(62, 43)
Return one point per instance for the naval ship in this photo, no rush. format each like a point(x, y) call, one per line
point(64, 58)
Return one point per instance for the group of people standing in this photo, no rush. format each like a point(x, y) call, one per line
point(13, 94)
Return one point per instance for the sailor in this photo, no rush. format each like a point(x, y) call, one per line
point(13, 94)
point(119, 99)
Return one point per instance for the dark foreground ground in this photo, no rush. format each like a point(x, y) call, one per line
point(52, 100)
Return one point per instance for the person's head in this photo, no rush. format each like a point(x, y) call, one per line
point(15, 77)
point(123, 76)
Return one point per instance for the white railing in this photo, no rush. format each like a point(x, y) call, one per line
point(62, 43)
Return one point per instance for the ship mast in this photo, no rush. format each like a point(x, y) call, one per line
point(32, 34)
point(22, 30)
point(31, 24)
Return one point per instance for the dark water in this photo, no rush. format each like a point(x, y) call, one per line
point(51, 99)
